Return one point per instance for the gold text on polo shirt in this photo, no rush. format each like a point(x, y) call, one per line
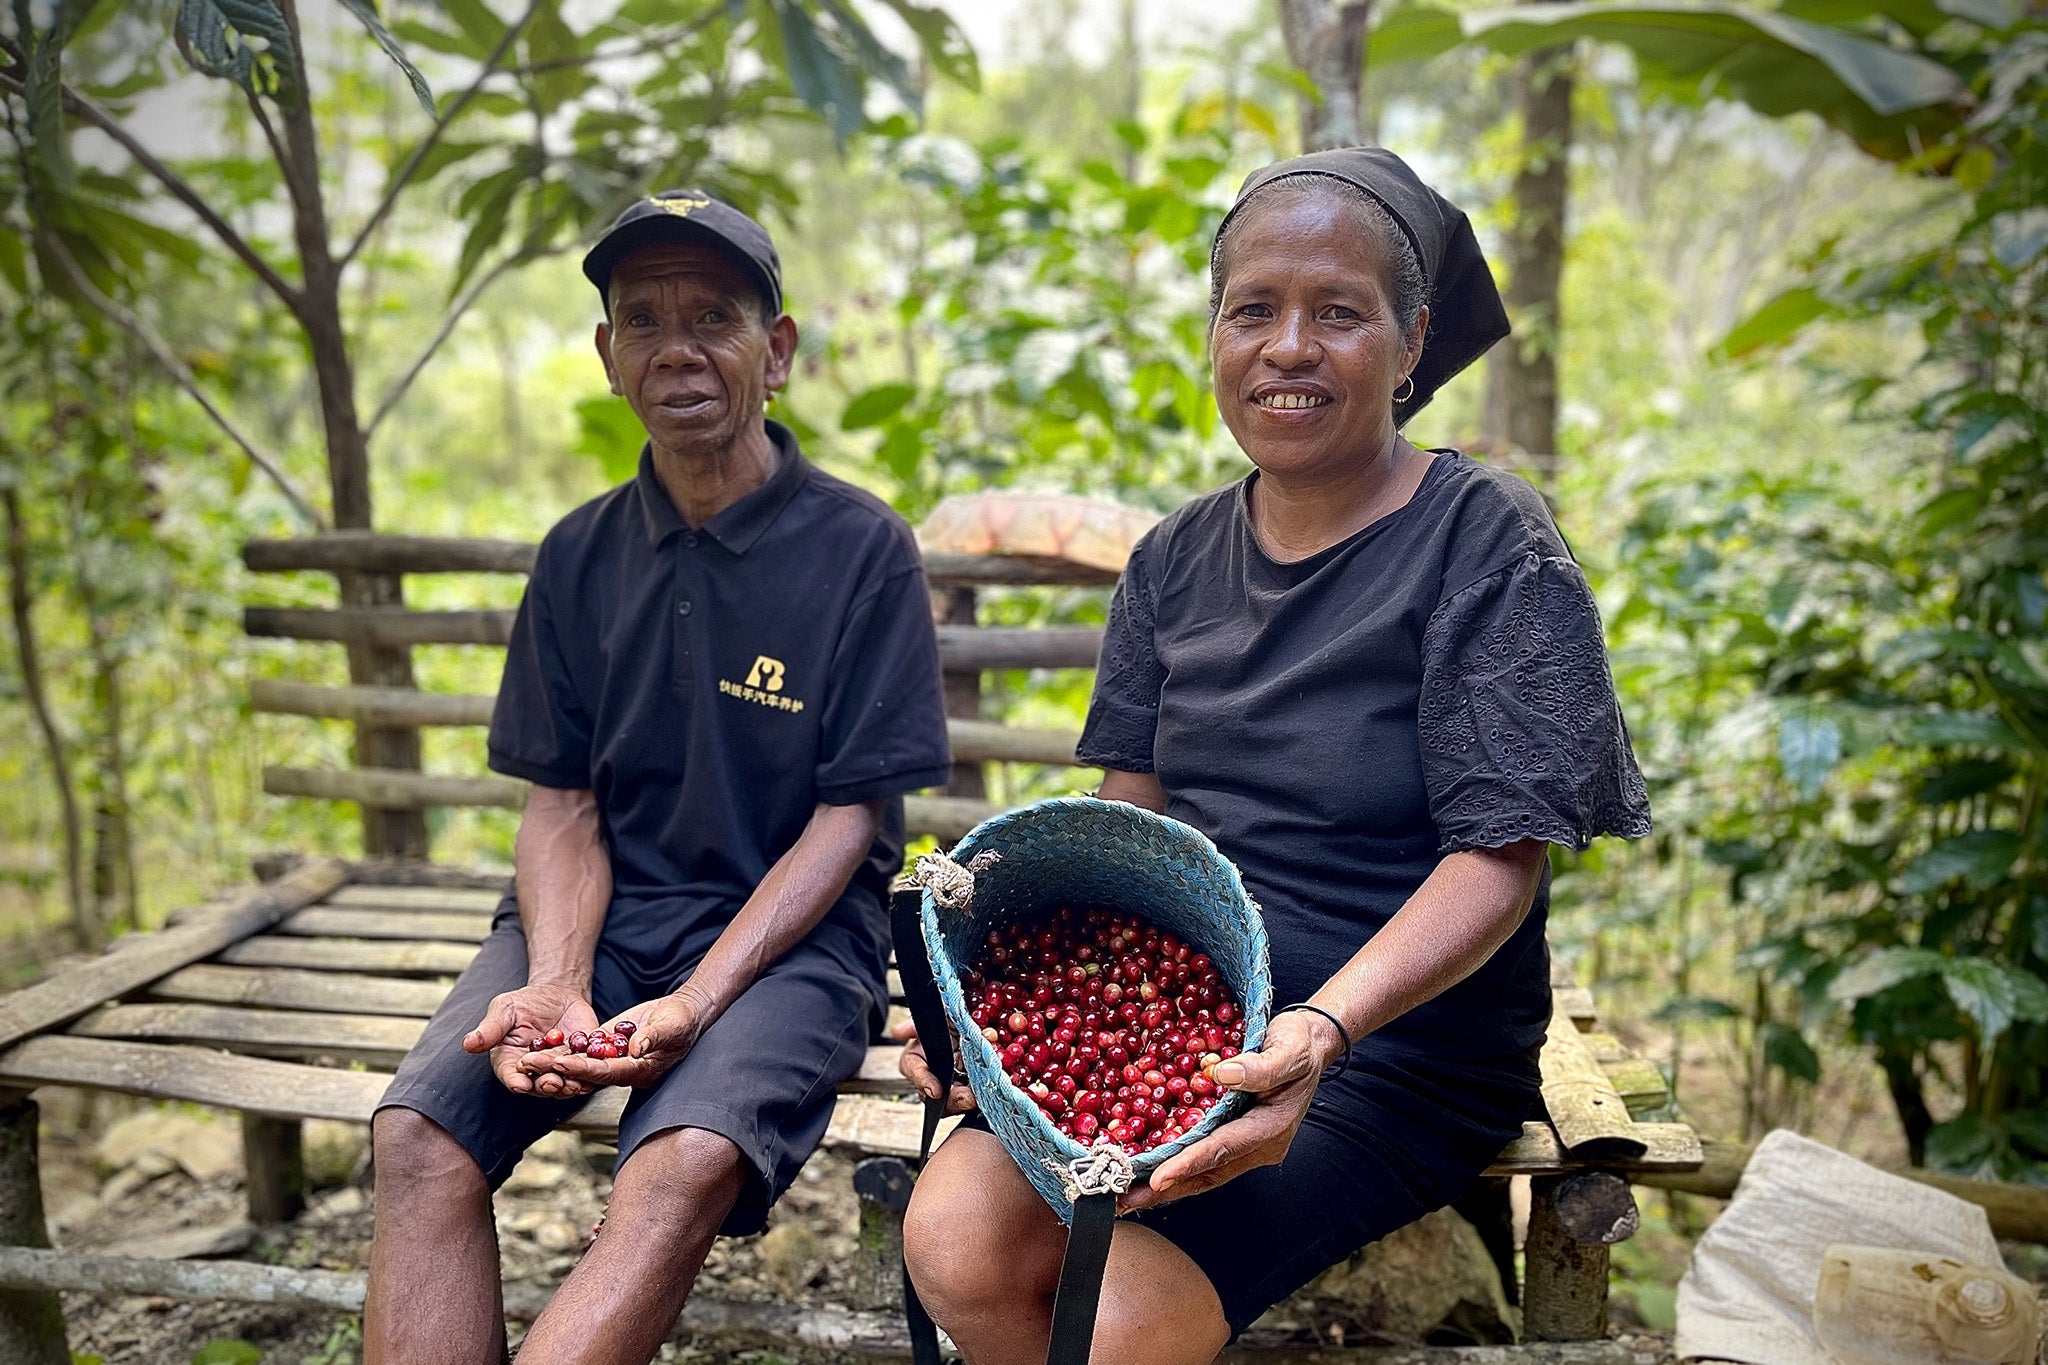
point(763, 686)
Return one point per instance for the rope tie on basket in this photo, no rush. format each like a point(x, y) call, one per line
point(952, 883)
point(1104, 1168)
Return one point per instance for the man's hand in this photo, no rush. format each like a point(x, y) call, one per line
point(514, 1020)
point(1283, 1074)
point(911, 1062)
point(664, 1031)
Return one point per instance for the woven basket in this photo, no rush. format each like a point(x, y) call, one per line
point(1083, 852)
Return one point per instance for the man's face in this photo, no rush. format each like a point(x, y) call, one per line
point(687, 348)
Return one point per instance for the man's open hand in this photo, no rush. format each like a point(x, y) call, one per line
point(664, 1031)
point(514, 1020)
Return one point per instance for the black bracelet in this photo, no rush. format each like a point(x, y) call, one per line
point(1344, 1058)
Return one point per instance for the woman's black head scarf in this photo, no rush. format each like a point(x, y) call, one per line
point(1465, 312)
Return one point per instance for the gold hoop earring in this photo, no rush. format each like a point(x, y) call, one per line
point(1400, 397)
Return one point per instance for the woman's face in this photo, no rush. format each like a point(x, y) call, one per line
point(1306, 351)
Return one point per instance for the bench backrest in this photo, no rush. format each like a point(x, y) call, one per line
point(967, 650)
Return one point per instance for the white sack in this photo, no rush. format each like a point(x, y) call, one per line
point(1748, 1294)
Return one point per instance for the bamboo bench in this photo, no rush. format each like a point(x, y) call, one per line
point(295, 998)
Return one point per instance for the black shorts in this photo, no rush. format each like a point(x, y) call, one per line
point(763, 1076)
point(1394, 1137)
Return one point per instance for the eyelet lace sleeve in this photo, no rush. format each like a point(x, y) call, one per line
point(1123, 715)
point(1522, 737)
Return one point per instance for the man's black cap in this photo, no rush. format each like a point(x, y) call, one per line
point(685, 215)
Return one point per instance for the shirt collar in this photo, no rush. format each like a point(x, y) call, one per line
point(740, 525)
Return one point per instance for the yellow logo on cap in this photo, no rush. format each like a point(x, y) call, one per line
point(681, 208)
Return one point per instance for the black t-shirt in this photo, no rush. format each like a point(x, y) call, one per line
point(712, 685)
point(1436, 682)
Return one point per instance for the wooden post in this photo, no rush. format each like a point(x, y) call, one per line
point(883, 1185)
point(1564, 1292)
point(963, 692)
point(273, 1157)
point(31, 1320)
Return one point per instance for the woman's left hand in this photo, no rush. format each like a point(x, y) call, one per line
point(1283, 1075)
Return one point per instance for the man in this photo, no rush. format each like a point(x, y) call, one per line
point(722, 678)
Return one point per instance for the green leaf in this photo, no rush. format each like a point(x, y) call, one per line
point(551, 43)
point(1979, 857)
point(1695, 1007)
point(875, 406)
point(483, 29)
point(1891, 101)
point(952, 56)
point(488, 205)
point(2029, 1128)
point(227, 1352)
point(1413, 33)
point(2020, 236)
point(1935, 728)
point(1787, 1049)
point(1961, 780)
point(1944, 510)
point(1809, 747)
point(1994, 994)
point(1883, 970)
point(608, 432)
point(365, 12)
point(244, 41)
point(1774, 324)
point(1965, 1143)
point(817, 74)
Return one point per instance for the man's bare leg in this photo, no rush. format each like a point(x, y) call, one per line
point(622, 1300)
point(434, 1289)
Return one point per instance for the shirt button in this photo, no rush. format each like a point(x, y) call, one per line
point(690, 540)
point(683, 607)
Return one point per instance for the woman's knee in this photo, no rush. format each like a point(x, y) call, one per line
point(976, 1237)
point(1157, 1307)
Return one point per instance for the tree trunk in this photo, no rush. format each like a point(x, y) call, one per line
point(386, 833)
point(1326, 39)
point(20, 602)
point(1915, 1119)
point(1521, 418)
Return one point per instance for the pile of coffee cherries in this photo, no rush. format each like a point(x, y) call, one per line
point(1107, 1022)
point(602, 1045)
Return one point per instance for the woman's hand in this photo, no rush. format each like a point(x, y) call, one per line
point(918, 1071)
point(664, 1031)
point(1283, 1074)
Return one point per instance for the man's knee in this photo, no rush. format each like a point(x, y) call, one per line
point(411, 1150)
point(958, 1257)
point(686, 1179)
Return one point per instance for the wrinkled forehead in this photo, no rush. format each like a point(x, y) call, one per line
point(1335, 230)
point(696, 265)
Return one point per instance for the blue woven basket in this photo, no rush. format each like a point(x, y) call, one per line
point(1083, 852)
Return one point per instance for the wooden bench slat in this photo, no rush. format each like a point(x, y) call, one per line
point(349, 955)
point(1575, 1003)
point(1666, 1147)
point(142, 958)
point(462, 899)
point(295, 989)
point(376, 1039)
point(1583, 1105)
point(317, 921)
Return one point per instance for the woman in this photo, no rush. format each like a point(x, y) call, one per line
point(1374, 676)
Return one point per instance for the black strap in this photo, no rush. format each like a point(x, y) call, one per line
point(1073, 1310)
point(928, 1012)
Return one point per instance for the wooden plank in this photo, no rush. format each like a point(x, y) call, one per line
point(394, 788)
point(376, 552)
point(392, 872)
point(380, 625)
point(376, 1039)
point(463, 900)
point(1575, 1003)
point(1667, 1147)
point(971, 571)
point(349, 955)
point(370, 705)
point(285, 988)
point(224, 1080)
point(984, 741)
point(947, 818)
point(979, 647)
point(321, 921)
point(144, 958)
point(1583, 1105)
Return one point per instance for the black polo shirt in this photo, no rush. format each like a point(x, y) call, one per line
point(712, 685)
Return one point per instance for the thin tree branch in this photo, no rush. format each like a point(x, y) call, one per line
point(462, 305)
point(160, 351)
point(269, 132)
point(433, 137)
point(80, 107)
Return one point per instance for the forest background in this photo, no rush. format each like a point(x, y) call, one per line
point(1798, 434)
